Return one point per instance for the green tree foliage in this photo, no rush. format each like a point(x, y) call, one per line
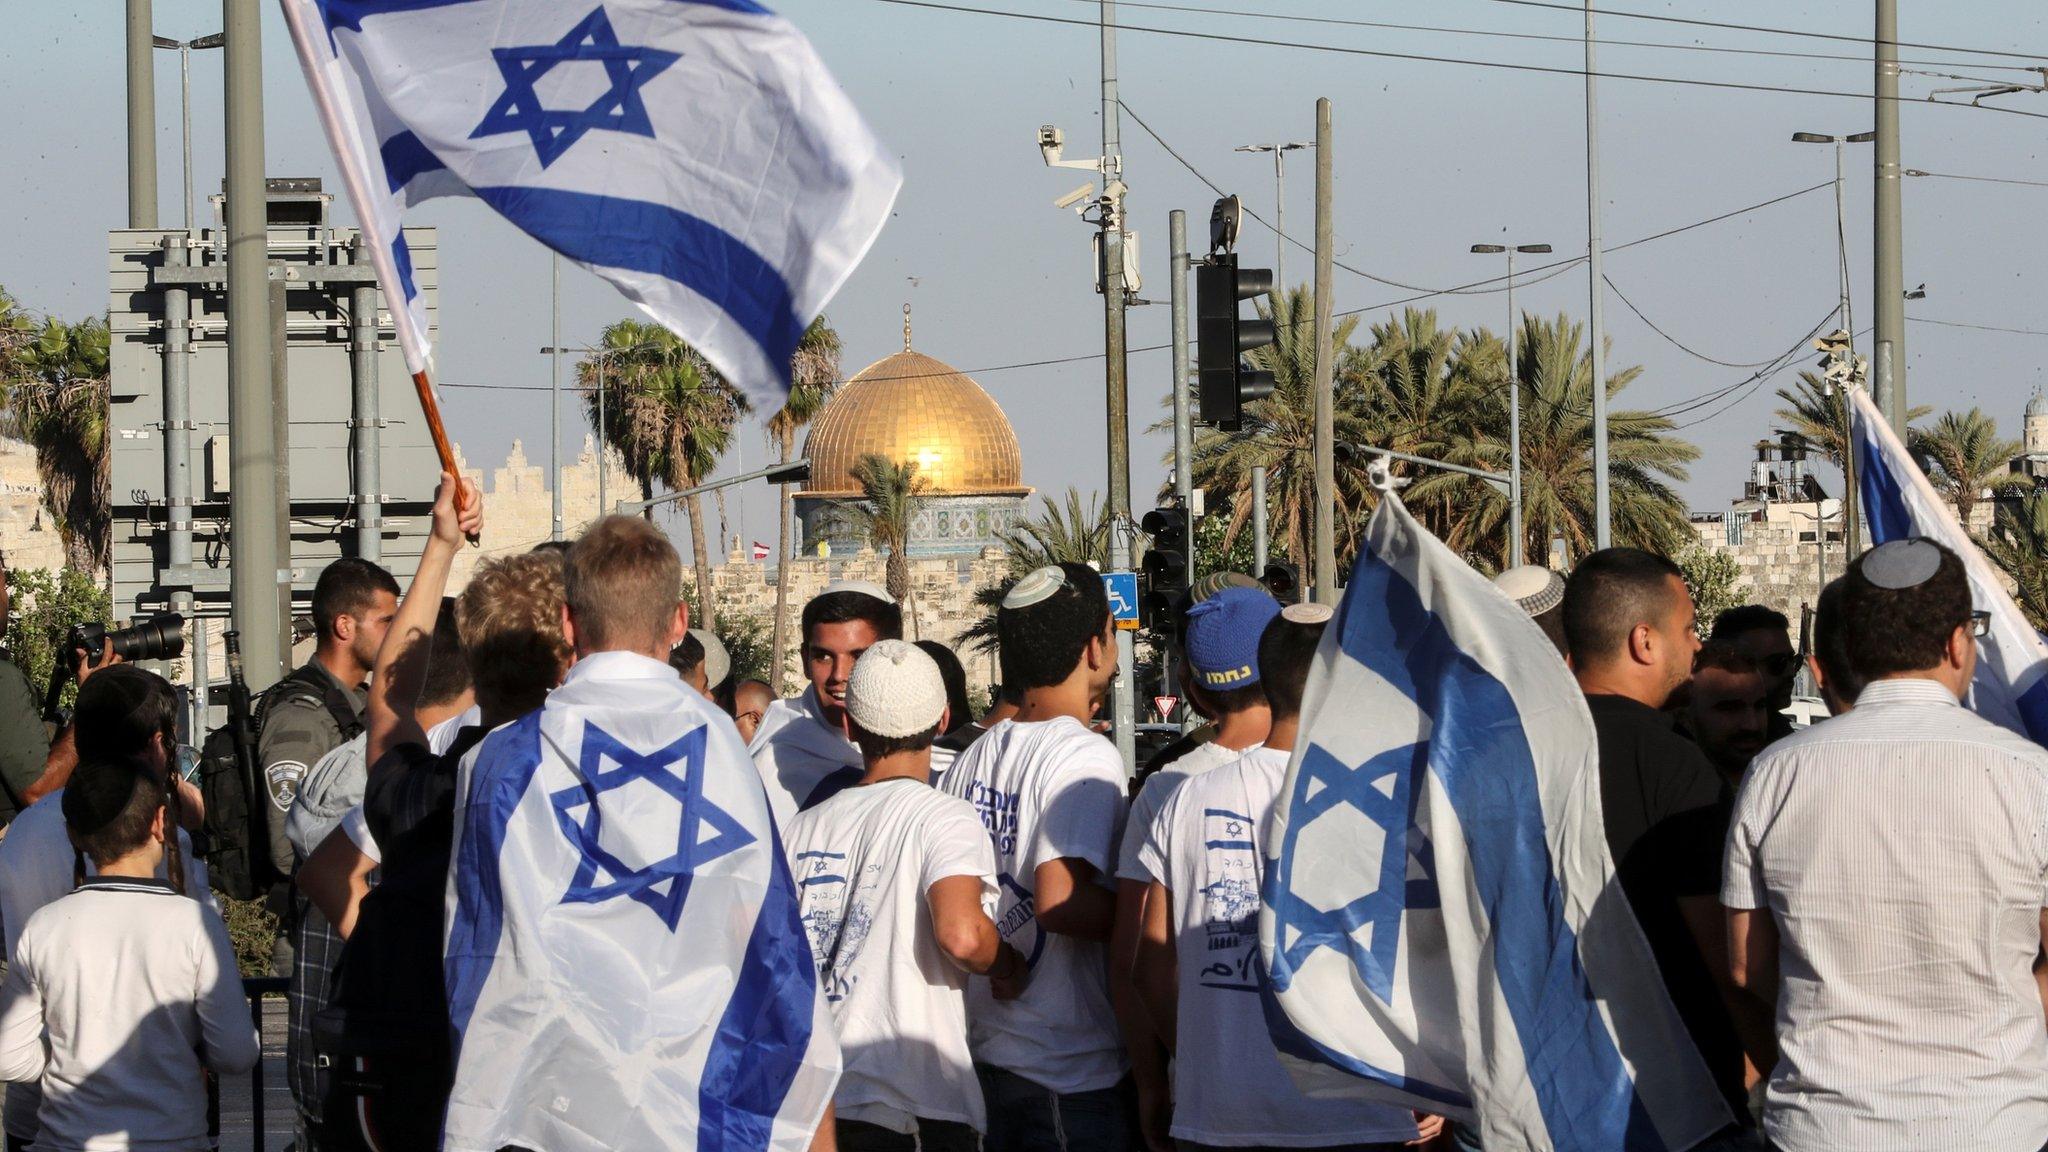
point(1964, 456)
point(747, 640)
point(1074, 530)
point(814, 374)
point(2018, 544)
point(670, 416)
point(1710, 575)
point(55, 377)
point(892, 492)
point(45, 606)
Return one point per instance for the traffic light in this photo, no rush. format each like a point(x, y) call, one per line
point(1164, 575)
point(1226, 385)
point(1283, 581)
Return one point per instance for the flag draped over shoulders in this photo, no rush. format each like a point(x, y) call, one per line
point(1441, 917)
point(625, 963)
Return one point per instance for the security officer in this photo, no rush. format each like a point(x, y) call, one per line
point(309, 713)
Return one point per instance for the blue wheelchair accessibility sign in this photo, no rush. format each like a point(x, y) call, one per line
point(1122, 588)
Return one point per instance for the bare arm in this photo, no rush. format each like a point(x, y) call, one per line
point(964, 932)
point(401, 666)
point(1141, 1040)
point(1753, 967)
point(335, 878)
point(1070, 902)
point(2041, 960)
point(1752, 1008)
point(826, 1138)
point(22, 1052)
point(1157, 975)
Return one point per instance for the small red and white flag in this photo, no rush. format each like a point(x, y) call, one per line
point(761, 550)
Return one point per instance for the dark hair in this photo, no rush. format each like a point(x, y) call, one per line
point(1722, 655)
point(558, 546)
point(686, 656)
point(1748, 618)
point(1891, 630)
point(1286, 651)
point(955, 678)
point(447, 664)
point(1608, 595)
point(110, 804)
point(1552, 623)
point(1830, 646)
point(1040, 644)
point(120, 710)
point(345, 588)
point(1220, 702)
point(845, 607)
point(875, 747)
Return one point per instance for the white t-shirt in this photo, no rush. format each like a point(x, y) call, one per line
point(796, 750)
point(1229, 1088)
point(864, 861)
point(356, 827)
point(1153, 796)
point(1046, 790)
point(35, 870)
point(117, 995)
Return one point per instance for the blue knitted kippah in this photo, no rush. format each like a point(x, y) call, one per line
point(1223, 637)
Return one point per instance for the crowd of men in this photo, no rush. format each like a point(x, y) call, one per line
point(1021, 949)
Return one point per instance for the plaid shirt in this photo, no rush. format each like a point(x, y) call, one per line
point(316, 949)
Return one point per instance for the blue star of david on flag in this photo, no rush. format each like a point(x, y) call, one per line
point(555, 131)
point(1331, 783)
point(705, 831)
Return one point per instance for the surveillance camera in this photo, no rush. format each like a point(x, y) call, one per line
point(1075, 197)
point(1051, 142)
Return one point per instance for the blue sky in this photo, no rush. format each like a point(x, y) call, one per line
point(1430, 158)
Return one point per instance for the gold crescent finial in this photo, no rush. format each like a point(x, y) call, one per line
point(906, 327)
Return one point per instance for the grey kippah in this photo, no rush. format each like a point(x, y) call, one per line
point(1902, 564)
point(1307, 613)
point(717, 661)
point(1036, 586)
point(859, 587)
point(1535, 588)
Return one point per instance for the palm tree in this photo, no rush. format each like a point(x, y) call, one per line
point(1556, 382)
point(1418, 384)
point(892, 492)
point(1818, 413)
point(813, 374)
point(1964, 457)
point(1074, 531)
point(2018, 544)
point(1278, 433)
point(670, 416)
point(57, 387)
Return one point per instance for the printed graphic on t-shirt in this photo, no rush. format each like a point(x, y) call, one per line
point(1230, 901)
point(835, 917)
point(1017, 918)
point(998, 811)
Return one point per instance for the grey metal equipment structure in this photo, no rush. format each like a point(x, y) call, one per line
point(1517, 537)
point(361, 482)
point(141, 116)
point(1888, 290)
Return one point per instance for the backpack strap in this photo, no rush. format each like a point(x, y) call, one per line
point(312, 684)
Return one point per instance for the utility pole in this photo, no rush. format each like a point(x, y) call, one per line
point(1597, 288)
point(260, 579)
point(555, 399)
point(1325, 414)
point(1183, 422)
point(1123, 699)
point(141, 117)
point(1889, 291)
point(1518, 536)
point(1851, 528)
point(1259, 554)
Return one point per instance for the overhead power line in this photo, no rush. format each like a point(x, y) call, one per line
point(1416, 57)
point(1977, 327)
point(1673, 340)
point(1491, 33)
point(1978, 179)
point(1837, 37)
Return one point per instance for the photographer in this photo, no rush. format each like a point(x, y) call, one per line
point(24, 745)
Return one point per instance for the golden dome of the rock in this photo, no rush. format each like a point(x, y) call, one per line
point(910, 406)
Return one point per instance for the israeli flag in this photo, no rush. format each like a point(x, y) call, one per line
point(695, 153)
point(2011, 685)
point(625, 964)
point(1441, 918)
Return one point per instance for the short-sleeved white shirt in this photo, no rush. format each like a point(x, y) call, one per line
point(796, 751)
point(1046, 790)
point(864, 861)
point(1901, 849)
point(1229, 1088)
point(1153, 796)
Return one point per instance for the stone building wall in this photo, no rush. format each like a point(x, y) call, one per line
point(28, 536)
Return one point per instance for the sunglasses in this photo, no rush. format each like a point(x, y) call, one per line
point(1779, 663)
point(1980, 624)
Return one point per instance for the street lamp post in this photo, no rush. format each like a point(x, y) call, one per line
point(1515, 545)
point(600, 355)
point(1851, 529)
point(185, 48)
point(1279, 152)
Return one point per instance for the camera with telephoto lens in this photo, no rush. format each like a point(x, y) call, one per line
point(157, 638)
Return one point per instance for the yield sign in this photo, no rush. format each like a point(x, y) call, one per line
point(1165, 705)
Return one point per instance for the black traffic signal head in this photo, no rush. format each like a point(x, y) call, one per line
point(1283, 580)
point(1223, 337)
point(1164, 574)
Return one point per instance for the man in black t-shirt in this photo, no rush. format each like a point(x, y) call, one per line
point(1630, 625)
